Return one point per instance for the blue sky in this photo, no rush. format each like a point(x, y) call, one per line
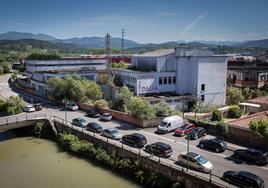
point(143, 20)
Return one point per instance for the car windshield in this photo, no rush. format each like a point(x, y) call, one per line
point(201, 160)
point(114, 131)
point(96, 125)
point(82, 121)
point(163, 124)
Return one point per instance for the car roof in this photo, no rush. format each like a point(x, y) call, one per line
point(110, 129)
point(138, 135)
point(250, 175)
point(162, 144)
point(216, 140)
point(192, 154)
point(106, 113)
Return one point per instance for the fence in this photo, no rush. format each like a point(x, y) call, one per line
point(170, 163)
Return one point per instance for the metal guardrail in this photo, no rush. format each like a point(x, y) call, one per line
point(28, 117)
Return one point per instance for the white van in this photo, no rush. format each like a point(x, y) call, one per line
point(170, 124)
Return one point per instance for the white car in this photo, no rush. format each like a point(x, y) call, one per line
point(71, 106)
point(29, 108)
point(195, 161)
point(105, 117)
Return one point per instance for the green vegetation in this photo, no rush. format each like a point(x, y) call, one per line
point(14, 105)
point(234, 96)
point(123, 99)
point(106, 79)
point(101, 103)
point(234, 112)
point(120, 65)
point(39, 127)
point(74, 88)
point(204, 108)
point(130, 168)
point(222, 128)
point(14, 76)
point(162, 109)
point(259, 126)
point(216, 115)
point(43, 56)
point(140, 108)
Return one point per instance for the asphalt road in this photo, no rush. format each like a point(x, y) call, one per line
point(221, 161)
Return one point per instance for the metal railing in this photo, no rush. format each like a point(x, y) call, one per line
point(28, 117)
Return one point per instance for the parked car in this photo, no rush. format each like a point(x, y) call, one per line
point(93, 113)
point(105, 117)
point(29, 108)
point(213, 144)
point(186, 128)
point(94, 127)
point(72, 106)
point(197, 133)
point(243, 179)
point(195, 161)
point(135, 139)
point(111, 133)
point(38, 106)
point(159, 149)
point(80, 122)
point(170, 124)
point(251, 155)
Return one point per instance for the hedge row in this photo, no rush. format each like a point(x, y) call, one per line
point(127, 167)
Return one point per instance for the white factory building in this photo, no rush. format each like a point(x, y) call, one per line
point(39, 71)
point(179, 71)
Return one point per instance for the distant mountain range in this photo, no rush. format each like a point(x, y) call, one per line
point(11, 37)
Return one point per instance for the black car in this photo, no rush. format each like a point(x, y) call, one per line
point(159, 149)
point(135, 139)
point(93, 113)
point(197, 133)
point(94, 127)
point(251, 155)
point(213, 144)
point(243, 179)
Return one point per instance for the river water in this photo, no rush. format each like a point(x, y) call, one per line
point(29, 162)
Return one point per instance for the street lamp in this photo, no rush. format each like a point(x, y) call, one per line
point(65, 108)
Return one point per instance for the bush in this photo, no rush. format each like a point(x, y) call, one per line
point(234, 96)
point(234, 112)
point(259, 127)
point(101, 104)
point(216, 115)
point(14, 105)
point(2, 105)
point(222, 128)
point(123, 98)
point(140, 108)
point(1, 70)
point(14, 76)
point(162, 109)
point(204, 108)
point(6, 67)
point(43, 56)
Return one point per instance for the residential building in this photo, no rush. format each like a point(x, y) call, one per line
point(179, 71)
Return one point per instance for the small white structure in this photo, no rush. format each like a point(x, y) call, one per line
point(250, 107)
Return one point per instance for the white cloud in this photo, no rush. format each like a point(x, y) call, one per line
point(191, 24)
point(168, 14)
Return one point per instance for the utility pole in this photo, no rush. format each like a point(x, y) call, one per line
point(195, 97)
point(188, 137)
point(65, 108)
point(123, 31)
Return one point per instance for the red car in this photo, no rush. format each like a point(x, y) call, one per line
point(186, 128)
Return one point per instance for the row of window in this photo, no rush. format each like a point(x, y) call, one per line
point(167, 80)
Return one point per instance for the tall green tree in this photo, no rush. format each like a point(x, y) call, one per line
point(15, 105)
point(140, 108)
point(234, 96)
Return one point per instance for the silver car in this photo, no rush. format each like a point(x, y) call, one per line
point(111, 133)
point(105, 117)
point(195, 161)
point(71, 106)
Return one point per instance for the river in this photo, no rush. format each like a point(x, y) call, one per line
point(29, 162)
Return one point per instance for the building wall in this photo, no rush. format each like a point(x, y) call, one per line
point(146, 63)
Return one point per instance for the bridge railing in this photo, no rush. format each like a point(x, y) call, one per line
point(22, 117)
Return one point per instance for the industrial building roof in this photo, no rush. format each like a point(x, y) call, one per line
point(155, 53)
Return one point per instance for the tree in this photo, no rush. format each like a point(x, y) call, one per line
point(15, 105)
point(14, 76)
point(57, 88)
point(43, 56)
point(92, 90)
point(216, 115)
point(6, 67)
point(222, 128)
point(2, 105)
point(234, 112)
point(140, 108)
point(1, 70)
point(162, 109)
point(259, 126)
point(123, 98)
point(247, 93)
point(234, 96)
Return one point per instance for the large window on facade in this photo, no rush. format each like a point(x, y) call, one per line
point(174, 79)
point(203, 87)
point(169, 80)
point(160, 81)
